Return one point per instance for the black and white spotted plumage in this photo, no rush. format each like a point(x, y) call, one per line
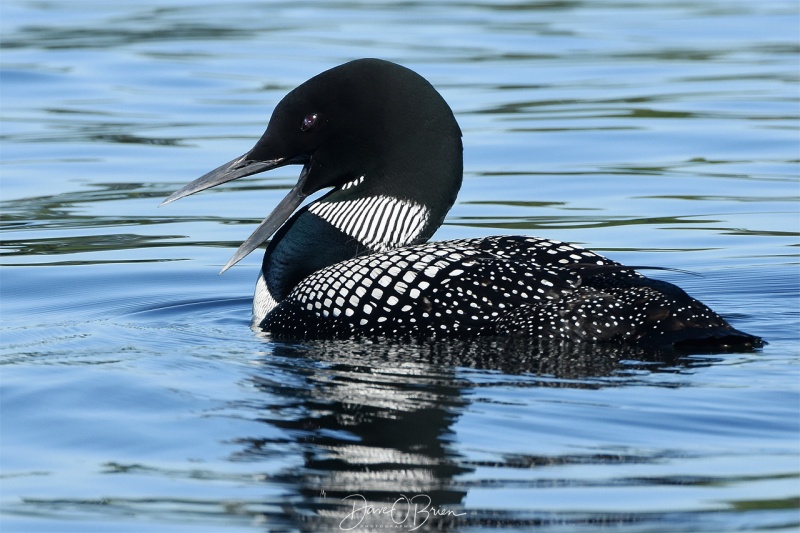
point(387, 148)
point(489, 286)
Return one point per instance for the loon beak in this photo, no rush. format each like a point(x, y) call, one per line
point(273, 221)
point(239, 168)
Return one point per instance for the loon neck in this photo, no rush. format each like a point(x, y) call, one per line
point(360, 217)
point(340, 226)
point(377, 221)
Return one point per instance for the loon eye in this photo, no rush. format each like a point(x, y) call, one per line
point(308, 122)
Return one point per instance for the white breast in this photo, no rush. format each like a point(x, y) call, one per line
point(263, 302)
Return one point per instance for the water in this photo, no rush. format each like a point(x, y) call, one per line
point(136, 398)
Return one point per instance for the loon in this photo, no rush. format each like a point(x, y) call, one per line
point(356, 262)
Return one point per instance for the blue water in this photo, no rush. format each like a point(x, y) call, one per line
point(135, 396)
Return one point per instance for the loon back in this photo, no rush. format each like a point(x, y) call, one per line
point(498, 286)
point(387, 147)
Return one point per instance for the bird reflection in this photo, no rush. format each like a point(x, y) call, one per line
point(372, 422)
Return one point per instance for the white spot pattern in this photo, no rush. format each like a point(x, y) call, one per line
point(358, 181)
point(491, 286)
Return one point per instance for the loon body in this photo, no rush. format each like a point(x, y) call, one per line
point(357, 261)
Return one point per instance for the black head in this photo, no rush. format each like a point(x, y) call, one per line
point(368, 118)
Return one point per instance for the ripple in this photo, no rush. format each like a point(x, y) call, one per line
point(136, 397)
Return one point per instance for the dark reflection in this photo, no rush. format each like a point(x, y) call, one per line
point(63, 212)
point(76, 245)
point(373, 422)
point(573, 222)
point(113, 34)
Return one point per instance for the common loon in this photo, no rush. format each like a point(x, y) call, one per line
point(356, 261)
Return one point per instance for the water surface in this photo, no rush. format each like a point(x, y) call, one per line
point(135, 396)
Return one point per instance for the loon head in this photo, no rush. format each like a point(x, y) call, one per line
point(365, 129)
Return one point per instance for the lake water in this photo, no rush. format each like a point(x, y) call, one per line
point(135, 396)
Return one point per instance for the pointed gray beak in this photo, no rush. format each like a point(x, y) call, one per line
point(270, 225)
point(239, 168)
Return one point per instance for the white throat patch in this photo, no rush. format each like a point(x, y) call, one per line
point(379, 222)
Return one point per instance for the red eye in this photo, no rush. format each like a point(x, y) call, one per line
point(308, 122)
